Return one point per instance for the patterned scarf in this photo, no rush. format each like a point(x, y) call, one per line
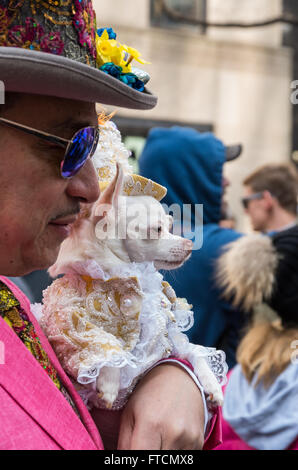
point(13, 314)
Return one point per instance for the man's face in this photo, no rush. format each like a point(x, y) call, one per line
point(37, 204)
point(257, 210)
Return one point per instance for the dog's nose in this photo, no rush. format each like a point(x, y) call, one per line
point(188, 245)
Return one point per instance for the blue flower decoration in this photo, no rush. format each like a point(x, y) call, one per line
point(111, 69)
point(129, 79)
point(132, 80)
point(110, 31)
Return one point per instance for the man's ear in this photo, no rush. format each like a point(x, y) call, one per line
point(268, 198)
point(112, 192)
point(108, 199)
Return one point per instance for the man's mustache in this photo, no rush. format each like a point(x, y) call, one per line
point(67, 213)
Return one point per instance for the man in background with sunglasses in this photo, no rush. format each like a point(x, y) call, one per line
point(48, 133)
point(270, 198)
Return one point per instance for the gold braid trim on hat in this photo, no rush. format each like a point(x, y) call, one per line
point(136, 185)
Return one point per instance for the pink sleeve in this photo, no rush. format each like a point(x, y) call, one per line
point(214, 435)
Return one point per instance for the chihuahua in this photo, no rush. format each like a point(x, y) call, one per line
point(111, 317)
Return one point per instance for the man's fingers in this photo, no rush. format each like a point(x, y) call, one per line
point(167, 420)
point(146, 438)
point(125, 432)
point(133, 436)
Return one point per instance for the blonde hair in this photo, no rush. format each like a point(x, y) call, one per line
point(266, 350)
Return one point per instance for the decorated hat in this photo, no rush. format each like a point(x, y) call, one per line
point(53, 48)
point(110, 151)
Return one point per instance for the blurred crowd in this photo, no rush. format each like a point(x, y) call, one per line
point(243, 288)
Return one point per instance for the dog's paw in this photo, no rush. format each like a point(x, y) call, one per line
point(107, 385)
point(108, 398)
point(216, 397)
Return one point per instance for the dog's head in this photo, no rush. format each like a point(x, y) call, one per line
point(122, 229)
point(137, 228)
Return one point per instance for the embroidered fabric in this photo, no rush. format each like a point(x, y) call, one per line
point(17, 318)
point(110, 149)
point(217, 362)
point(62, 27)
point(135, 188)
point(129, 320)
point(74, 328)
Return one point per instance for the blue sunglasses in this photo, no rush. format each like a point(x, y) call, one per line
point(77, 150)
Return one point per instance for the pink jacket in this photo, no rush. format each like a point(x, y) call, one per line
point(34, 415)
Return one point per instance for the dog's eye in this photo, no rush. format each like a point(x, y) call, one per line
point(159, 229)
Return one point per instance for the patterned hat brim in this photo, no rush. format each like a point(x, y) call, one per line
point(34, 72)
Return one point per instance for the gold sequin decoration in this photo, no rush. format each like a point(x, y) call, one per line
point(58, 22)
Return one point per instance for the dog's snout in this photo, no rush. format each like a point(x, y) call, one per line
point(188, 245)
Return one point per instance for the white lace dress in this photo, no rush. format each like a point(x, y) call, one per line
point(129, 320)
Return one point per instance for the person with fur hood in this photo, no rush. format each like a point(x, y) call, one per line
point(260, 274)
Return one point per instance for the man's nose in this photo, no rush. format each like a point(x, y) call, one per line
point(84, 185)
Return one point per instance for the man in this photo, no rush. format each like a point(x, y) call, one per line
point(191, 165)
point(48, 66)
point(270, 198)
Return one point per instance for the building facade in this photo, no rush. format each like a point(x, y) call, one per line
point(236, 82)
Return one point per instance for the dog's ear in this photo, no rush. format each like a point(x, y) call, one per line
point(112, 192)
point(170, 221)
point(109, 197)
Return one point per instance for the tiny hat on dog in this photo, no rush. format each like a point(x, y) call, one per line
point(52, 48)
point(111, 151)
point(136, 185)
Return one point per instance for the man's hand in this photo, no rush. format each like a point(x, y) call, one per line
point(165, 412)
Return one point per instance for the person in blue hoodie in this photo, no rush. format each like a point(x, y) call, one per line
point(190, 164)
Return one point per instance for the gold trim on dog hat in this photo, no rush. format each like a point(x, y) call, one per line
point(52, 47)
point(136, 185)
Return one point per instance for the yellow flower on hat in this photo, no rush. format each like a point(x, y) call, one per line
point(107, 49)
point(130, 54)
point(110, 50)
point(136, 55)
